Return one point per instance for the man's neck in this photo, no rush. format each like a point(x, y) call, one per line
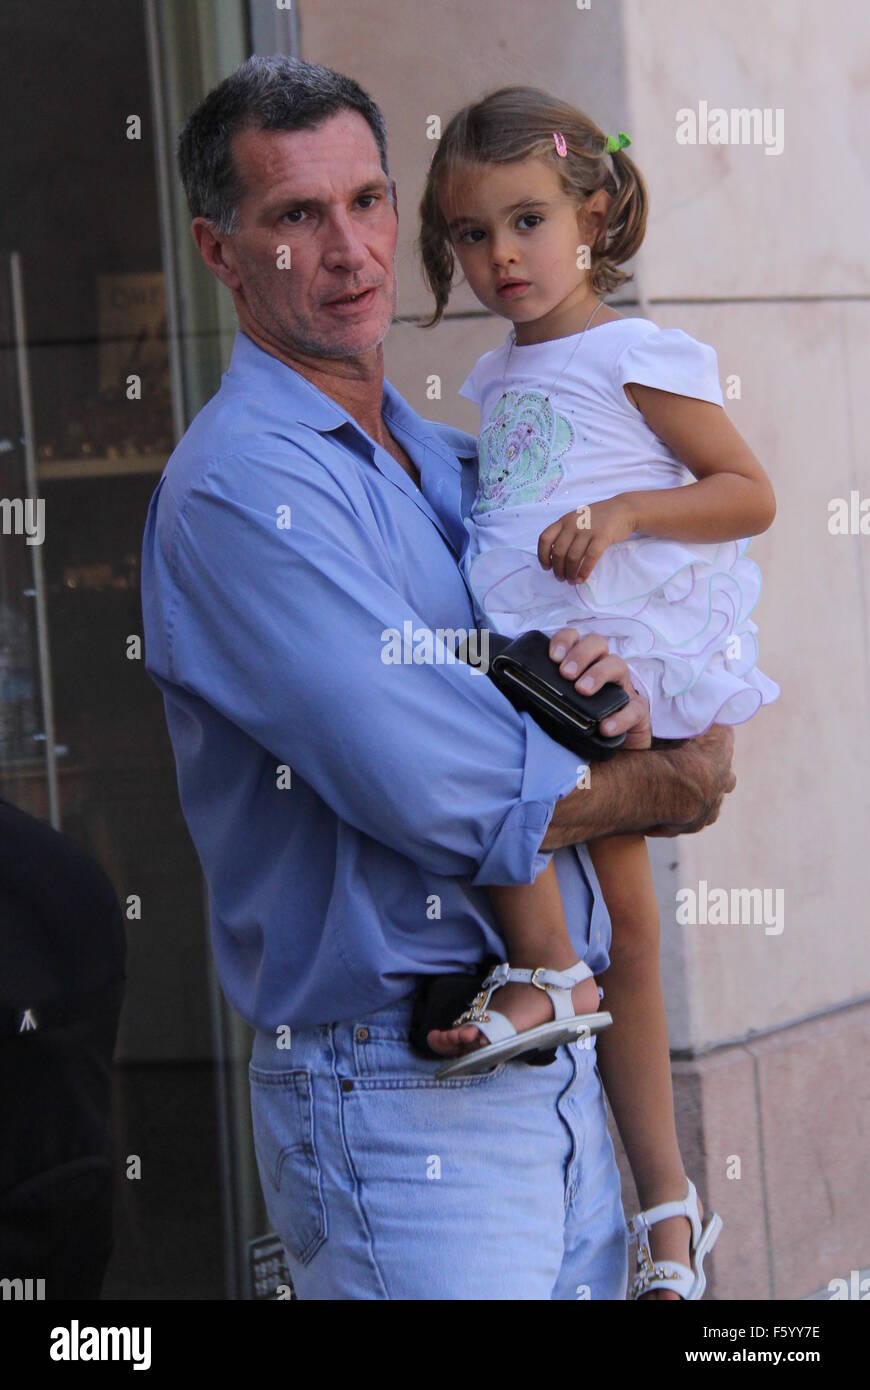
point(354, 383)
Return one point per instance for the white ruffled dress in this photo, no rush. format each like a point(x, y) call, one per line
point(677, 612)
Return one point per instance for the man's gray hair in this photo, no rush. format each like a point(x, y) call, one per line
point(275, 93)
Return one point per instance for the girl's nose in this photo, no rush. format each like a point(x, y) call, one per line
point(503, 254)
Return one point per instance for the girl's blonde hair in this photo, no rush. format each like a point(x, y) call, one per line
point(516, 123)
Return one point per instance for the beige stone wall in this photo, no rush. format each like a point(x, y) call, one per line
point(755, 254)
point(765, 257)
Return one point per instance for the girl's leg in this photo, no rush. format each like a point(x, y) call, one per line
point(532, 922)
point(633, 1054)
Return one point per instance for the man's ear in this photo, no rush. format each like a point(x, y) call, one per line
point(213, 250)
point(395, 198)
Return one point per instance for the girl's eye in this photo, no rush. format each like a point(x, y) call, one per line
point(535, 218)
point(475, 232)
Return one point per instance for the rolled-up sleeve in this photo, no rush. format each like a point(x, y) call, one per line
point(284, 629)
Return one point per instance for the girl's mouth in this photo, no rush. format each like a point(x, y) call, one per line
point(513, 288)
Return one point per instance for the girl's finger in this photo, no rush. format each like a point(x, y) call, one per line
point(561, 548)
point(574, 556)
point(593, 554)
point(546, 540)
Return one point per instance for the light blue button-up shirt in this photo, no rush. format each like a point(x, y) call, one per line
point(347, 809)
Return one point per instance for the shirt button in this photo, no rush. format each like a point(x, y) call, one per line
point(347, 1085)
point(362, 1034)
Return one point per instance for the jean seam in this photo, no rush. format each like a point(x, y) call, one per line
point(571, 1161)
point(352, 1173)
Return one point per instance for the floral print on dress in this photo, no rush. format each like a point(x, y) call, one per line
point(519, 452)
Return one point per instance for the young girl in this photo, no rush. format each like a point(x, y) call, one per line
point(587, 516)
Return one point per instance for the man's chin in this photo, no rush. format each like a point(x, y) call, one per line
point(346, 339)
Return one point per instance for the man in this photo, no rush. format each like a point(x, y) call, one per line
point(348, 810)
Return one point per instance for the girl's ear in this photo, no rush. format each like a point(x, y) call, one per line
point(591, 214)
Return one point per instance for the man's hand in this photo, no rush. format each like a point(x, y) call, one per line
point(677, 789)
point(589, 660)
point(704, 764)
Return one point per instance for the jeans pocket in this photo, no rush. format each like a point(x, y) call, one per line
point(282, 1115)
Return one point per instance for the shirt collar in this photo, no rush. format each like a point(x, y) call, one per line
point(262, 374)
point(310, 406)
point(313, 407)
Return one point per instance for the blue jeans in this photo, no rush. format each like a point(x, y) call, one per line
point(384, 1183)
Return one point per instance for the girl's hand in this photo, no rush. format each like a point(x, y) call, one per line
point(572, 546)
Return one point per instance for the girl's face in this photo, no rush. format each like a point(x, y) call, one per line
point(516, 233)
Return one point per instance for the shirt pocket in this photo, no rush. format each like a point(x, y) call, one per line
point(282, 1116)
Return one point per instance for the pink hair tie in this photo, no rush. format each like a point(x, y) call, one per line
point(561, 147)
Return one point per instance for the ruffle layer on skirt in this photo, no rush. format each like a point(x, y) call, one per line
point(677, 613)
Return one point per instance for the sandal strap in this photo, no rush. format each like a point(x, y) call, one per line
point(641, 1223)
point(556, 983)
point(551, 979)
point(671, 1274)
point(496, 1027)
point(663, 1274)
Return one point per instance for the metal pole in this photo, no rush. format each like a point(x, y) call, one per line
point(20, 329)
point(164, 205)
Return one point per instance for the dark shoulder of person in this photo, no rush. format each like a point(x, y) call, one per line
point(61, 925)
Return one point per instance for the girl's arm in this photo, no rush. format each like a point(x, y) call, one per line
point(731, 498)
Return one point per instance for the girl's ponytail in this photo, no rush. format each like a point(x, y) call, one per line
point(624, 227)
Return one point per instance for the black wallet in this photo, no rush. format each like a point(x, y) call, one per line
point(522, 669)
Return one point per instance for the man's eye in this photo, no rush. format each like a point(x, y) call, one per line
point(295, 213)
point(368, 197)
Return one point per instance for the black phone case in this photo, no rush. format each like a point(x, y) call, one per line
point(522, 669)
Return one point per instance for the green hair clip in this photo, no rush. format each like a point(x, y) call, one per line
point(617, 142)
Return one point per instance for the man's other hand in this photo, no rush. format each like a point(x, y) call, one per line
point(704, 765)
point(589, 661)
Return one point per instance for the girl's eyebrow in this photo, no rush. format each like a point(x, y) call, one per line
point(459, 222)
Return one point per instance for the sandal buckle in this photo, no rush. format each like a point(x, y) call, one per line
point(541, 970)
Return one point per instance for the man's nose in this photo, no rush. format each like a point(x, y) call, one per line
point(344, 247)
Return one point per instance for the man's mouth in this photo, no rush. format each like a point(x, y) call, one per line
point(354, 297)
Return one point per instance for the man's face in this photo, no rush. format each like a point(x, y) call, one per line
point(323, 195)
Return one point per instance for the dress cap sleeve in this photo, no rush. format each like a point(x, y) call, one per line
point(671, 360)
point(470, 387)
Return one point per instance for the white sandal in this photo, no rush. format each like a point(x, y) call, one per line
point(504, 1042)
point(670, 1274)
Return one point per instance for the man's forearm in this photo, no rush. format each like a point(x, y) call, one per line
point(630, 794)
